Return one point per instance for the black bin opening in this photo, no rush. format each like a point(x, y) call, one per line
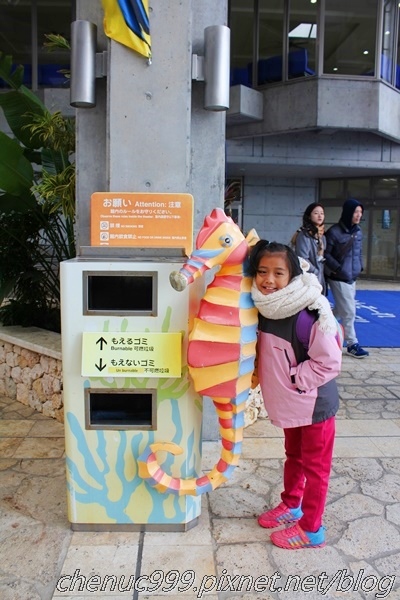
point(120, 409)
point(120, 293)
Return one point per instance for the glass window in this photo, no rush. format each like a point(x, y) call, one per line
point(53, 17)
point(386, 187)
point(383, 255)
point(390, 9)
point(270, 61)
point(364, 224)
point(15, 32)
point(397, 50)
point(379, 224)
point(332, 215)
point(350, 31)
point(241, 23)
point(17, 41)
point(302, 38)
point(358, 188)
point(349, 34)
point(332, 188)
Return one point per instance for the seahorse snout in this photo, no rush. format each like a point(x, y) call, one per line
point(178, 281)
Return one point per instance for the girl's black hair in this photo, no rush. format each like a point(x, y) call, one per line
point(264, 247)
point(308, 225)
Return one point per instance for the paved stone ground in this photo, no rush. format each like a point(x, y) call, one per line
point(362, 514)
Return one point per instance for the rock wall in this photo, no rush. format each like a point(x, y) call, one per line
point(30, 375)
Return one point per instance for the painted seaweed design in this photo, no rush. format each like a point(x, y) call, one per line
point(89, 482)
point(95, 488)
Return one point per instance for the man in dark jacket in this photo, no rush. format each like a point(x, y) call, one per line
point(343, 264)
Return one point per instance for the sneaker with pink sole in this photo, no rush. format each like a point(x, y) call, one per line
point(295, 538)
point(280, 515)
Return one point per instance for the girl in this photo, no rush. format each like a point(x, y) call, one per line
point(309, 241)
point(298, 387)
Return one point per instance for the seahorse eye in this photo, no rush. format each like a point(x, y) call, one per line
point(226, 241)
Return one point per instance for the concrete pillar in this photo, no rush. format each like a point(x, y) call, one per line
point(149, 131)
point(91, 139)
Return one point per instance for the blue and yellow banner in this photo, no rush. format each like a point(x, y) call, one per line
point(127, 22)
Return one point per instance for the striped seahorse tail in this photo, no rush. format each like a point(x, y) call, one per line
point(231, 421)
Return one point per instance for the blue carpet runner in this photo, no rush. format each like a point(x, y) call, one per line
point(378, 318)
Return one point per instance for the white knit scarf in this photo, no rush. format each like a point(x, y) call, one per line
point(304, 291)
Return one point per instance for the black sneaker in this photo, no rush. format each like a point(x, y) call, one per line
point(356, 351)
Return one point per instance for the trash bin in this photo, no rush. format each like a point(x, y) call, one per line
point(126, 386)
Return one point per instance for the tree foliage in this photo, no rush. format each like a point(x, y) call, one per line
point(37, 204)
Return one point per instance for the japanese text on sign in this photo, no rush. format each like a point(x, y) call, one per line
point(143, 220)
point(144, 354)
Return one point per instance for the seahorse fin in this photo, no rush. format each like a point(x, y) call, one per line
point(252, 237)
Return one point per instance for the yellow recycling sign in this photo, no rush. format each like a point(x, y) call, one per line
point(119, 354)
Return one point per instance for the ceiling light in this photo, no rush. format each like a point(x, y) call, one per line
point(304, 31)
point(334, 69)
point(366, 52)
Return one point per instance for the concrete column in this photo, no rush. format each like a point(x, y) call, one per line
point(91, 142)
point(160, 138)
point(149, 131)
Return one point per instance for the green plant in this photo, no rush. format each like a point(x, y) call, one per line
point(37, 204)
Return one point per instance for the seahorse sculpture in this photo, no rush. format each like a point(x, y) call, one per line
point(221, 348)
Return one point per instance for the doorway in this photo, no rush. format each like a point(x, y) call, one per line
point(384, 245)
point(380, 197)
point(381, 239)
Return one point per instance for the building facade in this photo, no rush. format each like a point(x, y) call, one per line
point(314, 111)
point(314, 115)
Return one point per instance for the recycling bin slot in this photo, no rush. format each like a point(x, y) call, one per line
point(121, 409)
point(120, 293)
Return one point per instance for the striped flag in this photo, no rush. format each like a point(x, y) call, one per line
point(127, 22)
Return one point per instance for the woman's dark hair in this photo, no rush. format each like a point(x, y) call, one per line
point(263, 247)
point(308, 225)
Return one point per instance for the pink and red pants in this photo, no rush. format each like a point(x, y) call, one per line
point(309, 451)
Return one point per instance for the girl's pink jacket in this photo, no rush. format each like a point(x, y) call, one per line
point(297, 393)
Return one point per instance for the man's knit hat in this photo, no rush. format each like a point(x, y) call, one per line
point(348, 211)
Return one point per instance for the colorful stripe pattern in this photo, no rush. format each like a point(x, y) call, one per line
point(221, 349)
point(127, 22)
